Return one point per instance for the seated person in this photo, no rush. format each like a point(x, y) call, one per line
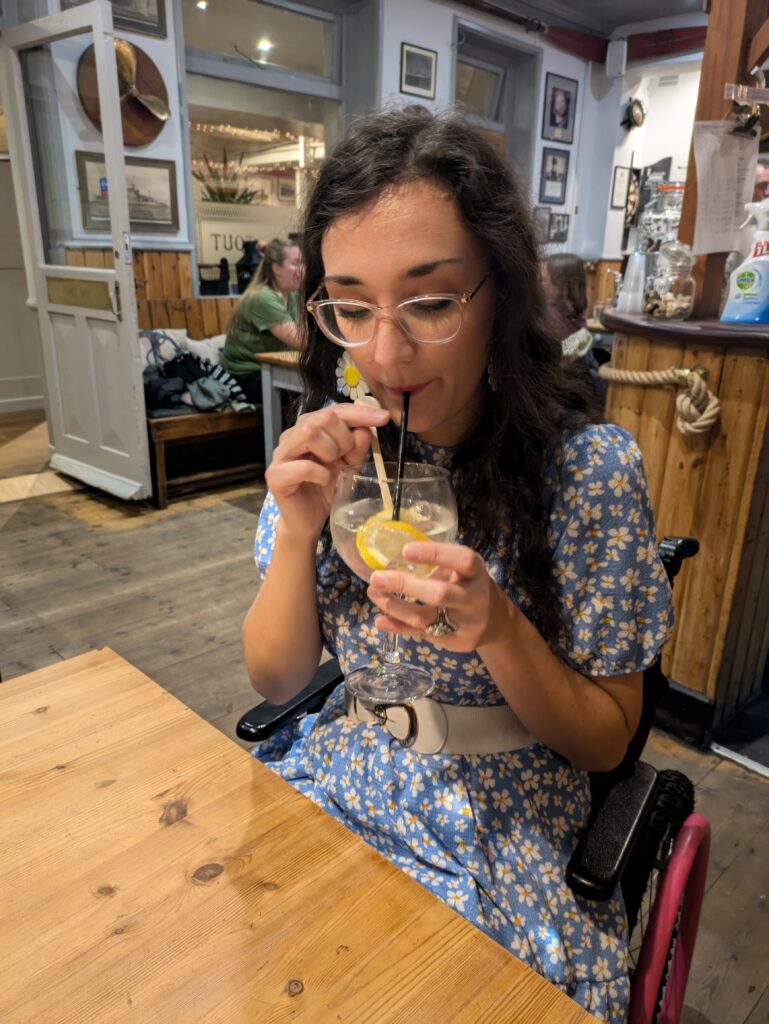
point(563, 285)
point(547, 608)
point(265, 317)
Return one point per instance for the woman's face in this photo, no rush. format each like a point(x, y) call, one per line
point(559, 102)
point(288, 274)
point(409, 242)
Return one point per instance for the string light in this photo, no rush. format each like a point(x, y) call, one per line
point(254, 134)
point(248, 169)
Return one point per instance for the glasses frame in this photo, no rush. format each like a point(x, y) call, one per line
point(314, 306)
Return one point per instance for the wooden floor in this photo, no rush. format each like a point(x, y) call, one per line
point(168, 589)
point(23, 443)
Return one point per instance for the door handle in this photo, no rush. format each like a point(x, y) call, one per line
point(114, 298)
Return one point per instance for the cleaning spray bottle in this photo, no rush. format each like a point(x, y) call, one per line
point(748, 301)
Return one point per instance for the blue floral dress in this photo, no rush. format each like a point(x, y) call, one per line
point(491, 835)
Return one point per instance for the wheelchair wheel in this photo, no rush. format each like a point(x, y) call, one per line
point(672, 803)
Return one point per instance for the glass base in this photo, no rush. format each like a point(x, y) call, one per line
point(380, 683)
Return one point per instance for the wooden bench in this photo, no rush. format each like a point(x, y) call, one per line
point(201, 428)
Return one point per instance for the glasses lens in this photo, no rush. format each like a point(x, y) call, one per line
point(346, 323)
point(430, 319)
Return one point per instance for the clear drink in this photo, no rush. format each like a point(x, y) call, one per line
point(434, 521)
point(368, 538)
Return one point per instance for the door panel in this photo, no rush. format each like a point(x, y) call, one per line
point(87, 314)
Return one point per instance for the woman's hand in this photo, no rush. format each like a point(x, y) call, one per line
point(306, 463)
point(474, 603)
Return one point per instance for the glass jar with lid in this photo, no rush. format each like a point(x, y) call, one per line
point(670, 296)
point(660, 219)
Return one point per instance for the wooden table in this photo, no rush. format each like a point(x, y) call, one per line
point(280, 372)
point(152, 870)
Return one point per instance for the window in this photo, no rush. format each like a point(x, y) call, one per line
point(253, 153)
point(479, 88)
point(271, 36)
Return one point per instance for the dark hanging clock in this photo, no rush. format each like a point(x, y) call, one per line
point(635, 114)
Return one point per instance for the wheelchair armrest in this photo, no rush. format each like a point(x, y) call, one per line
point(673, 550)
point(597, 863)
point(265, 719)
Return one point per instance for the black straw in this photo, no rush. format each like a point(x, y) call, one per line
point(401, 451)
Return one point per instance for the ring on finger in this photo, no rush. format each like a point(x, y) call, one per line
point(442, 624)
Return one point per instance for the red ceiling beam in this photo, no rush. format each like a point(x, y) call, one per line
point(644, 46)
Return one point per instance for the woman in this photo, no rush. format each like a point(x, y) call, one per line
point(554, 594)
point(265, 318)
point(563, 285)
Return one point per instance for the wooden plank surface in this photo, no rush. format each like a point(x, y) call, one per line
point(192, 884)
point(284, 358)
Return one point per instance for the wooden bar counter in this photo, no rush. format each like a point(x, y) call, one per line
point(714, 487)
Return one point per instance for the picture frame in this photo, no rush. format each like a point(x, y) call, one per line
point(287, 190)
point(559, 111)
point(619, 187)
point(554, 176)
point(147, 17)
point(542, 223)
point(559, 227)
point(152, 199)
point(632, 197)
point(418, 69)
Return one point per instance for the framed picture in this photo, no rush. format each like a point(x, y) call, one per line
point(632, 196)
point(418, 71)
point(146, 16)
point(287, 190)
point(554, 175)
point(542, 223)
point(619, 187)
point(560, 109)
point(559, 227)
point(152, 205)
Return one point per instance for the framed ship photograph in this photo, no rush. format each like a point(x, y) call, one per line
point(145, 16)
point(152, 202)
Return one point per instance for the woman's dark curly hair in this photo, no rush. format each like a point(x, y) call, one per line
point(504, 464)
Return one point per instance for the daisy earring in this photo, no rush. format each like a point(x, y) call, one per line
point(349, 381)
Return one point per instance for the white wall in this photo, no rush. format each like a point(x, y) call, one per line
point(600, 143)
point(21, 372)
point(667, 130)
point(431, 25)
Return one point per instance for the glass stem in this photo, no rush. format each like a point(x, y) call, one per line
point(391, 649)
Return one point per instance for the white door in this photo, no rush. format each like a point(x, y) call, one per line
point(93, 371)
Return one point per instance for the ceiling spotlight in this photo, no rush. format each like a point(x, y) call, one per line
point(202, 5)
point(264, 46)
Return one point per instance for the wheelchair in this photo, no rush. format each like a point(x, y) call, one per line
point(642, 834)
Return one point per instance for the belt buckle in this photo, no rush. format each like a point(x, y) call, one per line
point(379, 711)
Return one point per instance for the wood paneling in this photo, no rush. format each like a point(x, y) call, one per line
point(201, 317)
point(163, 283)
point(599, 282)
point(713, 487)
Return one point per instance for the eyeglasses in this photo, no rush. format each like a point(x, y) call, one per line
point(427, 319)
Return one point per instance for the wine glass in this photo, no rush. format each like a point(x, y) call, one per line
point(367, 538)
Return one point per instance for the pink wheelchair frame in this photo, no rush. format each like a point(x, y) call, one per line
point(672, 928)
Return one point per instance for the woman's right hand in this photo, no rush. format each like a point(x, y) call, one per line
point(306, 463)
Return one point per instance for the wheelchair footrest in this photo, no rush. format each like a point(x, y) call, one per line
point(601, 854)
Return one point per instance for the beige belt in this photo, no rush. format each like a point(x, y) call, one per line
point(432, 728)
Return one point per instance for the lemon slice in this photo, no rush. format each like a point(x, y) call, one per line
point(380, 542)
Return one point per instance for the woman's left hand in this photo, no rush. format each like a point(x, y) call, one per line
point(461, 585)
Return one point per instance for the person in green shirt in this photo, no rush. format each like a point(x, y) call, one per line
point(266, 317)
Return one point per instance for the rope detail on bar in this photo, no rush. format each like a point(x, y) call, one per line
point(697, 407)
